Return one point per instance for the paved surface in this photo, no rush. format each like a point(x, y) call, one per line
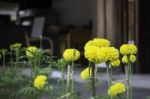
point(140, 83)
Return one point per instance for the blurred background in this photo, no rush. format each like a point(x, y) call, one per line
point(71, 23)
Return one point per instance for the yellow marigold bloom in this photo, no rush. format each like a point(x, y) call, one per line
point(40, 82)
point(115, 63)
point(71, 54)
point(94, 54)
point(89, 43)
point(16, 45)
point(116, 89)
point(101, 42)
point(128, 49)
point(124, 59)
point(111, 53)
point(31, 50)
point(132, 58)
point(86, 73)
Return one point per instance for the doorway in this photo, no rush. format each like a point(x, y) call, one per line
point(144, 35)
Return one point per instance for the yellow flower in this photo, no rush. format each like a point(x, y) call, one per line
point(31, 50)
point(94, 54)
point(71, 54)
point(126, 49)
point(115, 63)
point(86, 73)
point(98, 42)
point(132, 58)
point(101, 42)
point(111, 53)
point(40, 82)
point(116, 89)
point(89, 43)
point(124, 59)
point(16, 45)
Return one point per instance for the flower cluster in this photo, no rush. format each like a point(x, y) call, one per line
point(71, 54)
point(86, 73)
point(94, 54)
point(40, 81)
point(115, 63)
point(132, 58)
point(128, 49)
point(93, 50)
point(31, 50)
point(101, 42)
point(116, 89)
point(111, 53)
point(98, 42)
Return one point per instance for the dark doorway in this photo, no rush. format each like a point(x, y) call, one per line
point(144, 35)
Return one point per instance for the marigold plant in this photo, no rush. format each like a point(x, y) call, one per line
point(40, 82)
point(116, 89)
point(71, 54)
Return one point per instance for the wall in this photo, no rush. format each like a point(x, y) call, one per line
point(76, 12)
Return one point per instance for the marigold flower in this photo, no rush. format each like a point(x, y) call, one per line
point(40, 81)
point(101, 42)
point(111, 53)
point(86, 73)
point(116, 89)
point(16, 45)
point(71, 54)
point(98, 42)
point(89, 43)
point(115, 63)
point(31, 50)
point(126, 49)
point(94, 54)
point(132, 58)
point(124, 59)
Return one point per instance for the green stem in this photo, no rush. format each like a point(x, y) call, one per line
point(62, 80)
point(40, 94)
point(129, 71)
point(17, 57)
point(41, 38)
point(4, 64)
point(93, 80)
point(109, 75)
point(68, 83)
point(72, 81)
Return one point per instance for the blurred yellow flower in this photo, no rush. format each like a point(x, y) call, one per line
point(126, 49)
point(40, 82)
point(132, 58)
point(89, 43)
point(115, 63)
point(16, 45)
point(101, 42)
point(86, 73)
point(98, 42)
point(94, 54)
point(111, 53)
point(71, 54)
point(124, 59)
point(116, 89)
point(31, 50)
